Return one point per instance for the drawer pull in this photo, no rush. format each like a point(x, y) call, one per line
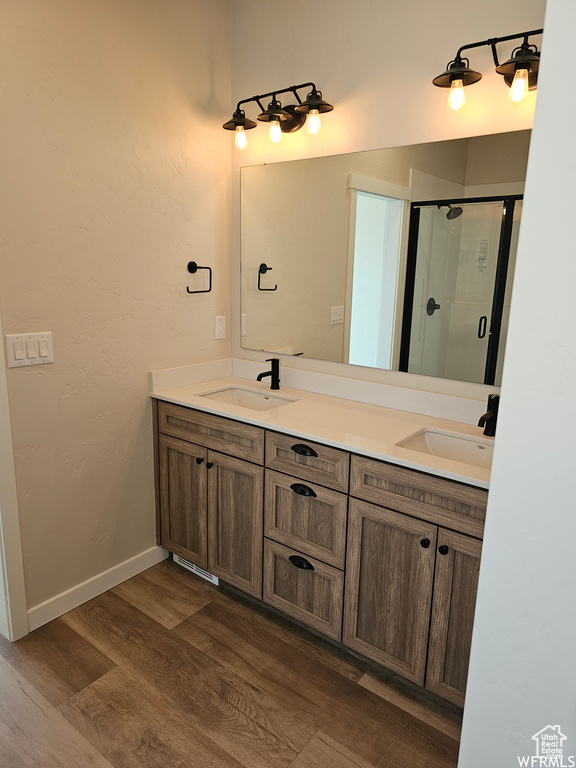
point(301, 562)
point(304, 450)
point(302, 490)
point(199, 460)
point(209, 464)
point(425, 543)
point(443, 549)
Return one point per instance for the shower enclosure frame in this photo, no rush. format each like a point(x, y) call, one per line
point(495, 326)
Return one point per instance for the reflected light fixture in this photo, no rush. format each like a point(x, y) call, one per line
point(520, 71)
point(281, 119)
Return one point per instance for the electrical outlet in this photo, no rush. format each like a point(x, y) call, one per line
point(243, 325)
point(29, 349)
point(336, 315)
point(220, 327)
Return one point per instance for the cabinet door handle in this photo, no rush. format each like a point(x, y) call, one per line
point(301, 562)
point(304, 450)
point(209, 464)
point(199, 460)
point(302, 490)
point(425, 543)
point(443, 549)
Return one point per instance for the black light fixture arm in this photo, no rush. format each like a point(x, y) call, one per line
point(291, 89)
point(493, 42)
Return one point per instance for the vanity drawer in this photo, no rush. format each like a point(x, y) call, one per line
point(233, 437)
point(309, 461)
point(445, 502)
point(313, 595)
point(308, 517)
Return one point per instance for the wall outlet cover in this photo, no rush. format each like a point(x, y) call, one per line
point(220, 327)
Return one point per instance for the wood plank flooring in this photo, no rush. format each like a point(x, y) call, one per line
point(168, 671)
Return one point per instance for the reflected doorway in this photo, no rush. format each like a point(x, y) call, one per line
point(459, 275)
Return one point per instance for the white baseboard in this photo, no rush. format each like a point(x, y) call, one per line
point(72, 598)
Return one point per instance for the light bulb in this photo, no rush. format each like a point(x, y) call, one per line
point(519, 87)
point(275, 131)
point(456, 97)
point(240, 140)
point(314, 124)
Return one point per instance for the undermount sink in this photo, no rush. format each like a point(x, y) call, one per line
point(255, 399)
point(467, 449)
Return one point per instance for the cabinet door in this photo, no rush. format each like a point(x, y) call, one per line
point(455, 586)
point(310, 518)
point(390, 572)
point(235, 503)
point(306, 589)
point(183, 499)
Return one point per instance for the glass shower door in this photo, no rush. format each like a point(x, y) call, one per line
point(458, 264)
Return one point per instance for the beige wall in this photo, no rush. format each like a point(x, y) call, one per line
point(113, 178)
point(374, 62)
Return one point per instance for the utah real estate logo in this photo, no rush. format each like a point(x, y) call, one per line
point(549, 750)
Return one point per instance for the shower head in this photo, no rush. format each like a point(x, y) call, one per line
point(453, 212)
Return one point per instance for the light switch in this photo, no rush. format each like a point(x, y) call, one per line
point(336, 315)
point(29, 349)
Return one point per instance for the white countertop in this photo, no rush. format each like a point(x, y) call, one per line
point(370, 430)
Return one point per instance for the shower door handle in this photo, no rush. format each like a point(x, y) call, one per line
point(482, 325)
point(431, 306)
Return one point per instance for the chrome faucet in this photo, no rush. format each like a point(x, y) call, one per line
point(488, 419)
point(274, 373)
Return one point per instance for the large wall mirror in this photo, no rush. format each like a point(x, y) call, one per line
point(400, 259)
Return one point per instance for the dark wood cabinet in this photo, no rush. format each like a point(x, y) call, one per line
point(390, 569)
point(304, 588)
point(455, 586)
point(211, 503)
point(183, 499)
point(235, 495)
point(389, 578)
point(307, 517)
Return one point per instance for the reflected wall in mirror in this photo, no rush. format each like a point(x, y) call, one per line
point(400, 259)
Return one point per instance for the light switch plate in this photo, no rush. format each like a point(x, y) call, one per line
point(242, 324)
point(336, 315)
point(24, 349)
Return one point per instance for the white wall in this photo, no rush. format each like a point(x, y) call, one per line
point(353, 53)
point(522, 672)
point(114, 176)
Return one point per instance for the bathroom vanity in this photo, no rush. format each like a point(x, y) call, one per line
point(301, 505)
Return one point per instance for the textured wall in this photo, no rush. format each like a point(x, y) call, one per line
point(115, 174)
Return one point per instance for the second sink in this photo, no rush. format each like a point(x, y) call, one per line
point(255, 399)
point(451, 445)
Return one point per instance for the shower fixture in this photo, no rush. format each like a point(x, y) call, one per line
point(281, 119)
point(520, 71)
point(453, 212)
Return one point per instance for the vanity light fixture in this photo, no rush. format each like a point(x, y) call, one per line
point(281, 119)
point(520, 71)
